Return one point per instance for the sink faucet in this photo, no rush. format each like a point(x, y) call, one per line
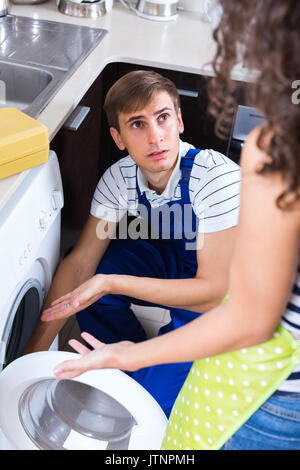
point(3, 8)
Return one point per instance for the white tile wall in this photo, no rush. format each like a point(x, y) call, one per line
point(192, 5)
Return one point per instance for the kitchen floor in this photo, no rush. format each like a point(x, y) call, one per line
point(151, 318)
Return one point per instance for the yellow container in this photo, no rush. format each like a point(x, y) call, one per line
point(24, 142)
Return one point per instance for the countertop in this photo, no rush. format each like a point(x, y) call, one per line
point(185, 44)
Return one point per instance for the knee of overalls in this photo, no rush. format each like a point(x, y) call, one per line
point(163, 382)
point(133, 257)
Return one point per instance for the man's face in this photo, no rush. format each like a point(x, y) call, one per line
point(151, 135)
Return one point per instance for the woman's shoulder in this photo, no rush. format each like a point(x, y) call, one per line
point(253, 159)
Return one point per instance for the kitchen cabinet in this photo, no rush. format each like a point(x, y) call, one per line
point(80, 159)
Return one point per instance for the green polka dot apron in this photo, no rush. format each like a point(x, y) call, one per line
point(222, 392)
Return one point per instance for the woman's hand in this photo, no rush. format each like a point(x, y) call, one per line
point(103, 356)
point(80, 298)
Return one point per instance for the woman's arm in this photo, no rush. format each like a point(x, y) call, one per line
point(261, 276)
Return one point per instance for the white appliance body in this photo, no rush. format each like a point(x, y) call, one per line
point(30, 219)
point(149, 421)
point(29, 253)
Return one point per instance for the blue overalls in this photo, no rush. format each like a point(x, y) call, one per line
point(111, 319)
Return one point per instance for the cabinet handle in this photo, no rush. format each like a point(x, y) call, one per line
point(76, 118)
point(190, 93)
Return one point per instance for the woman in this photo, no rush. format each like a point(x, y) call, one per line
point(228, 399)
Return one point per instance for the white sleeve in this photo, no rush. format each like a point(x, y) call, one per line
point(216, 197)
point(109, 201)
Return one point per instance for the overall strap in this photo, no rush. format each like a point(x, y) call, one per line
point(137, 185)
point(186, 166)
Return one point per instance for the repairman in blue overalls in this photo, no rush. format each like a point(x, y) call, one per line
point(176, 252)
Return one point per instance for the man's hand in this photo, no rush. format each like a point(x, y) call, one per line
point(103, 356)
point(80, 298)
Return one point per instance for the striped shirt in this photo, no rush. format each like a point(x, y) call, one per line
point(291, 321)
point(214, 190)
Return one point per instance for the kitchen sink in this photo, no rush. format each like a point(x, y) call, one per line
point(37, 57)
point(20, 84)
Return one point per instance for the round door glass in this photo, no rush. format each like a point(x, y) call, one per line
point(75, 416)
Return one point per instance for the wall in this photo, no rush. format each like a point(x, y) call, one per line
point(192, 5)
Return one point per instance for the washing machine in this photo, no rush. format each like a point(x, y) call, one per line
point(30, 222)
point(30, 219)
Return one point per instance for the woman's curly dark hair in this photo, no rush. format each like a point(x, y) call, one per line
point(265, 36)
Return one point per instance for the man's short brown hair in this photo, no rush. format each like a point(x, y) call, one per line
point(134, 91)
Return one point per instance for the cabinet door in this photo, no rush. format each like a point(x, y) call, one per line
point(79, 158)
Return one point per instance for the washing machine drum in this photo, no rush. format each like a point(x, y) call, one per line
point(103, 409)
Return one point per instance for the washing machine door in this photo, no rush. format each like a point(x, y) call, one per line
point(22, 316)
point(102, 409)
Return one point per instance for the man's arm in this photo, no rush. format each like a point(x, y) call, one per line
point(76, 268)
point(201, 293)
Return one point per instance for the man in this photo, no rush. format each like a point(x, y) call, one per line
point(190, 199)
